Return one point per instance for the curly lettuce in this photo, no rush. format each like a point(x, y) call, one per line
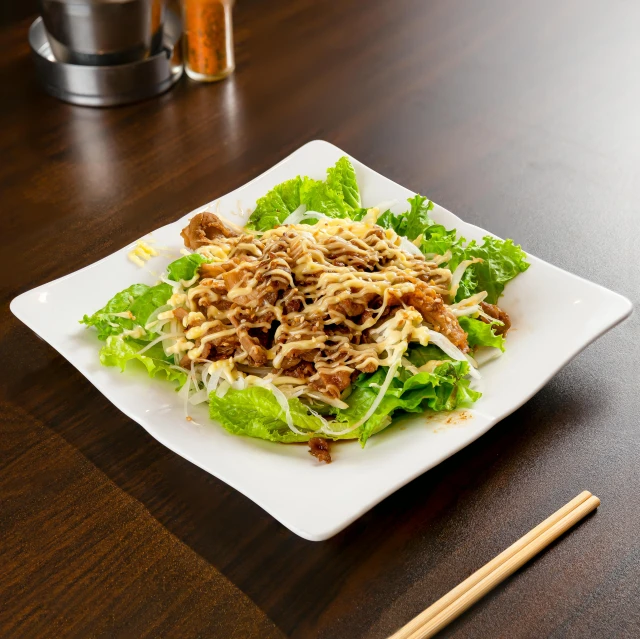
point(128, 309)
point(341, 179)
point(276, 205)
point(255, 412)
point(501, 260)
point(119, 352)
point(480, 333)
point(186, 267)
point(443, 389)
point(413, 222)
point(125, 316)
point(337, 196)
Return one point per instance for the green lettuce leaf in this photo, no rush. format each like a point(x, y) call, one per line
point(419, 355)
point(276, 205)
point(481, 334)
point(437, 240)
point(254, 412)
point(502, 260)
point(444, 389)
point(364, 392)
point(318, 196)
point(119, 352)
point(149, 301)
point(342, 180)
point(139, 299)
point(338, 196)
point(398, 223)
point(418, 218)
point(289, 193)
point(468, 285)
point(414, 222)
point(358, 214)
point(185, 267)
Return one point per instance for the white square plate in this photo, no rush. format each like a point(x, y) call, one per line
point(555, 315)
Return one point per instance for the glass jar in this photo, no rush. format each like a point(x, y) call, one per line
point(208, 39)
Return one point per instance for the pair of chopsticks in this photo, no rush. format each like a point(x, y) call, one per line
point(455, 602)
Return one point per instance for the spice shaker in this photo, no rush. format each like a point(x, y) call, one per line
point(208, 39)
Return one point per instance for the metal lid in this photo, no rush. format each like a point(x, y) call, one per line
point(108, 85)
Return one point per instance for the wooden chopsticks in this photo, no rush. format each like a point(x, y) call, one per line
point(455, 602)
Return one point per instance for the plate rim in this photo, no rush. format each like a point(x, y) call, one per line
point(319, 533)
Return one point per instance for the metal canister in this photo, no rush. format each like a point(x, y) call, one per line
point(103, 32)
point(109, 85)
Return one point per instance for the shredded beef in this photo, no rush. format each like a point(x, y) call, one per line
point(319, 448)
point(266, 295)
point(222, 347)
point(435, 312)
point(252, 346)
point(180, 313)
point(332, 383)
point(203, 229)
point(497, 313)
point(301, 370)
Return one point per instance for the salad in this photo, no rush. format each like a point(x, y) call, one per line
point(319, 320)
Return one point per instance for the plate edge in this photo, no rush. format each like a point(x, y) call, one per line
point(625, 310)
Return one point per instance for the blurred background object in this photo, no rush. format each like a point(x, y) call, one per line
point(208, 39)
point(109, 52)
point(103, 32)
point(62, 73)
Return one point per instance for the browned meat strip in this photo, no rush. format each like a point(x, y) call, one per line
point(194, 321)
point(236, 277)
point(333, 383)
point(319, 448)
point(292, 304)
point(302, 370)
point(239, 316)
point(337, 330)
point(355, 261)
point(185, 362)
point(353, 306)
point(275, 272)
point(262, 335)
point(351, 253)
point(212, 270)
point(497, 313)
point(287, 295)
point(349, 308)
point(252, 347)
point(222, 347)
point(368, 367)
point(206, 350)
point(180, 313)
point(203, 229)
point(216, 269)
point(374, 236)
point(427, 302)
point(290, 361)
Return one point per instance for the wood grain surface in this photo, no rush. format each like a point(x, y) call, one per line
point(521, 117)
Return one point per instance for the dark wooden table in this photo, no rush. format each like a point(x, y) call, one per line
point(522, 117)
